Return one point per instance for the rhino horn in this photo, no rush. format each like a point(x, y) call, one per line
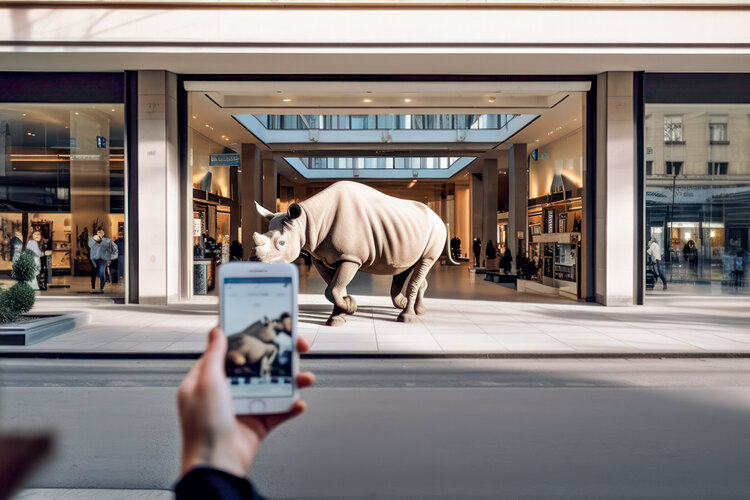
point(263, 212)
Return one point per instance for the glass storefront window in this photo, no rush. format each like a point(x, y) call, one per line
point(62, 178)
point(698, 198)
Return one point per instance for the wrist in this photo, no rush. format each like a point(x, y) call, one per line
point(222, 460)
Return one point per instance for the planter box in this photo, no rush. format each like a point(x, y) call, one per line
point(48, 324)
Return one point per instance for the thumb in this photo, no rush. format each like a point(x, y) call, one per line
point(216, 350)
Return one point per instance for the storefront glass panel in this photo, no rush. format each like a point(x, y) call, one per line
point(62, 178)
point(697, 194)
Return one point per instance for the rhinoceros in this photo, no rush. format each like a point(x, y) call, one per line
point(349, 227)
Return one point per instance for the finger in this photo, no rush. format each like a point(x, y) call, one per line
point(305, 379)
point(191, 379)
point(216, 351)
point(302, 345)
point(275, 420)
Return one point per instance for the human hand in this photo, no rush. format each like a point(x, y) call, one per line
point(212, 435)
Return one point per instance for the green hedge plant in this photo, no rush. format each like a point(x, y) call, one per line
point(19, 298)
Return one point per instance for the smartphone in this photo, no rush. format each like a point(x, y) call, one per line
point(258, 313)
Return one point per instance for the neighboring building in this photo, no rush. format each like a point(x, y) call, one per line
point(571, 143)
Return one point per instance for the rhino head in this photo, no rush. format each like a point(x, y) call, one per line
point(285, 237)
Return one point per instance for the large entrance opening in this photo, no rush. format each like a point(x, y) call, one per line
point(501, 163)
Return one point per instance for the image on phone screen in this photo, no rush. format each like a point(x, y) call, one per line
point(257, 319)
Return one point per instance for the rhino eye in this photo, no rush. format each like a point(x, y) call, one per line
point(282, 243)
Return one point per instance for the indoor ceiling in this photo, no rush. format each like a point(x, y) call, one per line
point(558, 104)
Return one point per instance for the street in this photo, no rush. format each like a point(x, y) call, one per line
point(440, 428)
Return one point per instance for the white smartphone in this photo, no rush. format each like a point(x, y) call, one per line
point(258, 313)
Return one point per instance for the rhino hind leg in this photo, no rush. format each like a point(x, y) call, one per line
point(409, 314)
point(419, 307)
point(397, 288)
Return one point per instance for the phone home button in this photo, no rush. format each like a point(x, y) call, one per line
point(257, 406)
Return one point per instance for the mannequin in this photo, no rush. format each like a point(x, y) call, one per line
point(34, 245)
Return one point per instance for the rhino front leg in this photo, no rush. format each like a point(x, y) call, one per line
point(336, 293)
point(415, 284)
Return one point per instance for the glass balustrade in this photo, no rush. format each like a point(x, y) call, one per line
point(385, 122)
point(379, 162)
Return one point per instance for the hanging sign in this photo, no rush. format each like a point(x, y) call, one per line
point(224, 160)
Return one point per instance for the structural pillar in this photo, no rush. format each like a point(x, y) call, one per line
point(477, 207)
point(616, 190)
point(268, 190)
point(250, 192)
point(518, 201)
point(159, 220)
point(489, 211)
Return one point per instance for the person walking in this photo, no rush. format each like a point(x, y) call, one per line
point(654, 250)
point(118, 268)
point(102, 250)
point(690, 253)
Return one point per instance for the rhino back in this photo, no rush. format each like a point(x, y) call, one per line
point(354, 222)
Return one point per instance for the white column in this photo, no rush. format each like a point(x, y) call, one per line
point(615, 190)
point(158, 189)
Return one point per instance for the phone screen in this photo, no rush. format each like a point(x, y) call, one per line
point(257, 317)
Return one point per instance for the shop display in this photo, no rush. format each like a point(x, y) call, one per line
point(349, 227)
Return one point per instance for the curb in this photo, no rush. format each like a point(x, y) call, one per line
point(385, 355)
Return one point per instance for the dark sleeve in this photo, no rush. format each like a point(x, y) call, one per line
point(205, 483)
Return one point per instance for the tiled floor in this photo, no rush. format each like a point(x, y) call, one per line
point(450, 326)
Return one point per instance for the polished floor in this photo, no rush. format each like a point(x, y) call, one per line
point(464, 315)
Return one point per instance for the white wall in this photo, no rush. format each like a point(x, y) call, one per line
point(473, 40)
point(565, 156)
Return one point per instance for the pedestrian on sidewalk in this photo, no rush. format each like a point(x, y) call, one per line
point(218, 447)
point(654, 250)
point(102, 250)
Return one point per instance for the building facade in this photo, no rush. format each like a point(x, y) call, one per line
point(571, 144)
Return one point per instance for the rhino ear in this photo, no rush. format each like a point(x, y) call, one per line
point(294, 211)
point(267, 214)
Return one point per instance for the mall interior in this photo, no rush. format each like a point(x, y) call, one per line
point(513, 167)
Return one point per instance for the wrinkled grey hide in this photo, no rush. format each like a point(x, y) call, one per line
point(350, 226)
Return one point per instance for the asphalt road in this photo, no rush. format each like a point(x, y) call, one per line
point(461, 428)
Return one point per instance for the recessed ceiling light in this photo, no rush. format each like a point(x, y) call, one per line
point(195, 117)
point(491, 99)
point(23, 114)
point(366, 100)
point(76, 113)
point(537, 140)
point(407, 100)
point(287, 100)
point(207, 125)
point(113, 110)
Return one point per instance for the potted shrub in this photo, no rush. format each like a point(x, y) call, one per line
point(19, 298)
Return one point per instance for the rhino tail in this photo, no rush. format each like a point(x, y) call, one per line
point(447, 249)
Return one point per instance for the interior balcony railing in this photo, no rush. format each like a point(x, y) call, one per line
point(386, 122)
point(317, 163)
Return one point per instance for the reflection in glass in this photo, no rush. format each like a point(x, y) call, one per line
point(698, 195)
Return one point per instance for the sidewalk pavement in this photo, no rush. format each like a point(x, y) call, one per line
point(672, 327)
point(91, 494)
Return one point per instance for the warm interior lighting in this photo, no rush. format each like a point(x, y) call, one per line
point(287, 100)
point(366, 100)
point(491, 99)
point(411, 184)
point(407, 100)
